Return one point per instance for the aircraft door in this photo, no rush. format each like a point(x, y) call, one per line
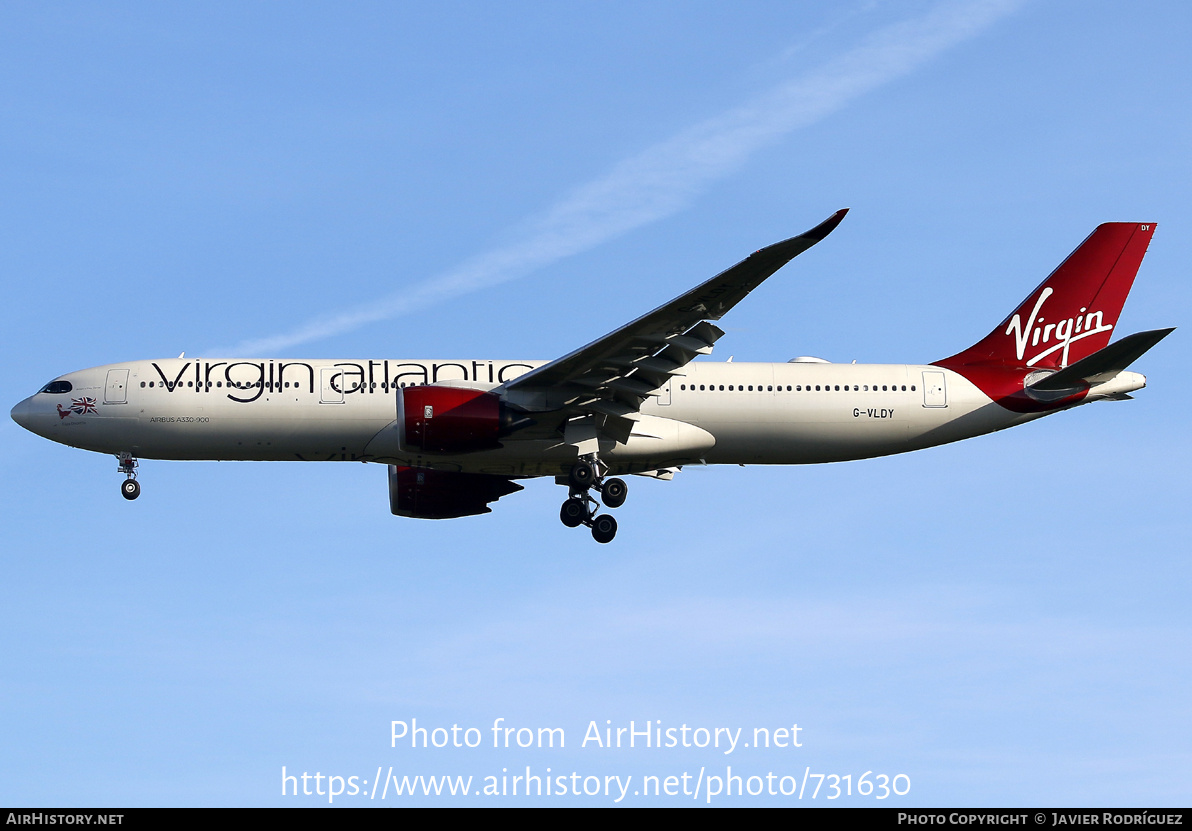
point(935, 389)
point(664, 393)
point(116, 392)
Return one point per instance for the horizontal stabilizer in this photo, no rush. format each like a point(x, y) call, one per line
point(1103, 364)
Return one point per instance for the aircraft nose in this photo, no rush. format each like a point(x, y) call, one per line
point(26, 415)
point(22, 414)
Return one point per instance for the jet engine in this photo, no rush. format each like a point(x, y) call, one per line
point(434, 419)
point(443, 494)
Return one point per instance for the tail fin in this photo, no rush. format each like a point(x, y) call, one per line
point(1072, 313)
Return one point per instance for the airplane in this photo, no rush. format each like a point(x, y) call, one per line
point(458, 435)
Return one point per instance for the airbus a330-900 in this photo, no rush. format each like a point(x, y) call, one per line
point(459, 434)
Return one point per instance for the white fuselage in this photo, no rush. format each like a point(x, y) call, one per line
point(717, 413)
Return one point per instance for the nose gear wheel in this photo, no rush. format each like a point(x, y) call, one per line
point(130, 488)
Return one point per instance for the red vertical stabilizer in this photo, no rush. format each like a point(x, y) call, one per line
point(1073, 313)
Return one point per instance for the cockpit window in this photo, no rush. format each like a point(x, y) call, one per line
point(57, 387)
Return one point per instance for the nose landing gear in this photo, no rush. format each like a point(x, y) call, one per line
point(580, 508)
point(130, 488)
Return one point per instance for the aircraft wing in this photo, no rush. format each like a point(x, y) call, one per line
point(611, 377)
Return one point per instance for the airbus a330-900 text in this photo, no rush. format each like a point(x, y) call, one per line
point(459, 434)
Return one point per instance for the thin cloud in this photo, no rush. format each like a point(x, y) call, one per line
point(665, 178)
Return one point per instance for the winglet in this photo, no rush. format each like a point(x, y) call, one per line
point(780, 253)
point(827, 226)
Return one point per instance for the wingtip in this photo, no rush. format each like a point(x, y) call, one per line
point(827, 226)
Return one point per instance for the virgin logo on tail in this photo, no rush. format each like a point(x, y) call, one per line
point(1083, 299)
point(1038, 332)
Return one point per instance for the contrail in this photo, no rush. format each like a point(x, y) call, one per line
point(668, 176)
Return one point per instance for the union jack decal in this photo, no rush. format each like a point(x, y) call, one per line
point(82, 406)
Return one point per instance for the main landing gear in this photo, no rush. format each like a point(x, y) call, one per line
point(130, 488)
point(580, 507)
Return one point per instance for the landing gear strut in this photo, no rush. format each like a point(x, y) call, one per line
point(130, 488)
point(580, 507)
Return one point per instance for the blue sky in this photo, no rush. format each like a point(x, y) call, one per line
point(1004, 621)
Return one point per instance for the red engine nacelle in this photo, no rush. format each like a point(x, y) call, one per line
point(443, 494)
point(449, 419)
